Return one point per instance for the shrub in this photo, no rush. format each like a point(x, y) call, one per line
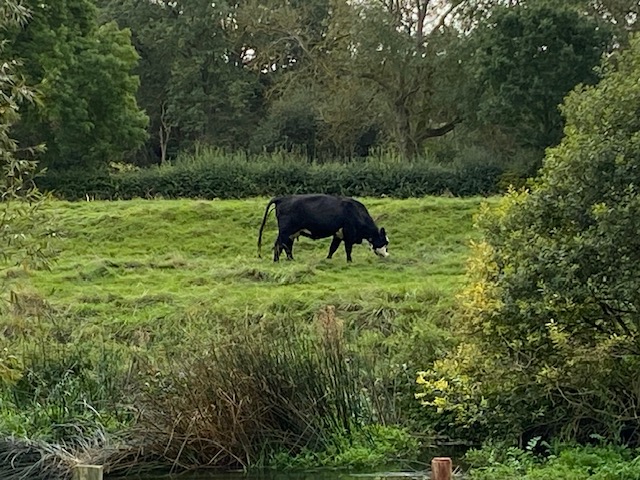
point(259, 398)
point(64, 392)
point(372, 446)
point(497, 461)
point(551, 316)
point(213, 174)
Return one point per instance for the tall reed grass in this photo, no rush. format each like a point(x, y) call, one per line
point(237, 404)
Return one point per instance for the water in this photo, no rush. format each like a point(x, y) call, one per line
point(312, 475)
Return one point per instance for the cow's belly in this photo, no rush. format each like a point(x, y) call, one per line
point(316, 234)
point(308, 225)
point(304, 232)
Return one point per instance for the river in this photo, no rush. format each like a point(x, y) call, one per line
point(311, 475)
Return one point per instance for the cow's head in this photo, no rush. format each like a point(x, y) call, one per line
point(379, 243)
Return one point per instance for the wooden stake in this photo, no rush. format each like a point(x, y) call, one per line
point(441, 468)
point(88, 472)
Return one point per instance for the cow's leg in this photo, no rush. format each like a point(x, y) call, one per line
point(348, 236)
point(288, 248)
point(348, 246)
point(335, 243)
point(286, 243)
point(277, 249)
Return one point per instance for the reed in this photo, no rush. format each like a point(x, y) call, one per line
point(235, 404)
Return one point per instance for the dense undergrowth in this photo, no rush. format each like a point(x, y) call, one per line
point(539, 461)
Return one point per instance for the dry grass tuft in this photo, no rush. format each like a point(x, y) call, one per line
point(27, 303)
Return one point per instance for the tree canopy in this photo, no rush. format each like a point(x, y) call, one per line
point(553, 311)
point(523, 60)
point(87, 114)
point(25, 229)
point(330, 78)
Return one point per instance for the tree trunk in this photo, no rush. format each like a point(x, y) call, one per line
point(164, 134)
point(404, 139)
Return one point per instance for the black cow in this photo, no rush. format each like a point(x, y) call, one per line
point(322, 216)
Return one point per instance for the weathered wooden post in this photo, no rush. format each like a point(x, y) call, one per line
point(441, 468)
point(88, 472)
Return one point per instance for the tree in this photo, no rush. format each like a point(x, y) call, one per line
point(25, 228)
point(522, 61)
point(88, 115)
point(290, 125)
point(409, 72)
point(624, 15)
point(382, 57)
point(193, 80)
point(552, 318)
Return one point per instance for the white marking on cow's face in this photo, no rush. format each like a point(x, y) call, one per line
point(340, 234)
point(381, 252)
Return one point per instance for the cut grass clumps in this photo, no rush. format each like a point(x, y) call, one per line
point(295, 275)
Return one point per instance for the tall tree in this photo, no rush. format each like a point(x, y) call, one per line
point(88, 115)
point(523, 60)
point(194, 85)
point(387, 52)
point(405, 59)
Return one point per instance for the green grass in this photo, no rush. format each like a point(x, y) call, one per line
point(139, 282)
point(151, 279)
point(561, 462)
point(163, 271)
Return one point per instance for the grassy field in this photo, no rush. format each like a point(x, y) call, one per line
point(158, 280)
point(166, 272)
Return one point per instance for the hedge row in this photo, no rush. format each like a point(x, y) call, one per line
point(241, 178)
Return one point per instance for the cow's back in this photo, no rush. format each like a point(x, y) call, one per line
point(312, 212)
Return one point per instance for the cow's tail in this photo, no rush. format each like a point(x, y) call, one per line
point(264, 221)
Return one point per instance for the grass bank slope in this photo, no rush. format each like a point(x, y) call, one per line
point(159, 272)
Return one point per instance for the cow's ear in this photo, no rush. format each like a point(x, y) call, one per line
point(382, 232)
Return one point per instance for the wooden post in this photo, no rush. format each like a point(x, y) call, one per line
point(88, 472)
point(441, 468)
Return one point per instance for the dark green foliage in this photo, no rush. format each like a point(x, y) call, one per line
point(523, 61)
point(320, 76)
point(214, 175)
point(291, 123)
point(87, 114)
point(552, 317)
point(193, 82)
